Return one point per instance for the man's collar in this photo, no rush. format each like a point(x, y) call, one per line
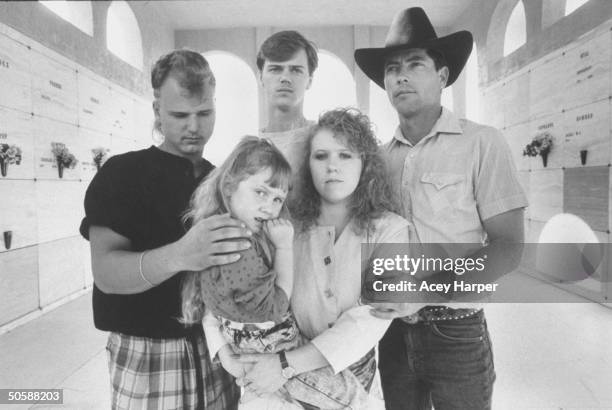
point(447, 123)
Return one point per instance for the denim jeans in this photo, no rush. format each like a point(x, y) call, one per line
point(348, 389)
point(445, 363)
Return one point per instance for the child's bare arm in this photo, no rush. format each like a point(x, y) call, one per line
point(280, 232)
point(229, 361)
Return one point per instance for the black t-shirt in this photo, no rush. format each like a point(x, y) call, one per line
point(142, 195)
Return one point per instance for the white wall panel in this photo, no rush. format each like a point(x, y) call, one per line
point(587, 128)
point(143, 121)
point(60, 269)
point(515, 100)
point(18, 213)
point(60, 209)
point(588, 65)
point(122, 114)
point(546, 90)
point(19, 278)
point(95, 104)
point(545, 194)
point(493, 108)
point(15, 81)
point(54, 89)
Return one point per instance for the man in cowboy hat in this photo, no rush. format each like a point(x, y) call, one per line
point(457, 184)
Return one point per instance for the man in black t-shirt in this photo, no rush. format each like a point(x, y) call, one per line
point(139, 248)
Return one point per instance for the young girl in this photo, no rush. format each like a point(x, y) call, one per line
point(252, 293)
point(250, 297)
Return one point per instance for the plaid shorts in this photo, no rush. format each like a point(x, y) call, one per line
point(163, 374)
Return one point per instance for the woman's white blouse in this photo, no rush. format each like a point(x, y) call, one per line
point(327, 289)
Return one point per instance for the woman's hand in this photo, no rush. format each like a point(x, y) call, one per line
point(280, 232)
point(392, 310)
point(265, 374)
point(229, 361)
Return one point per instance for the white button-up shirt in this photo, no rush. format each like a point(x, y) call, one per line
point(457, 176)
point(327, 288)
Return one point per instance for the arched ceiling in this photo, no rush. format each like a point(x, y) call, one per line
point(205, 14)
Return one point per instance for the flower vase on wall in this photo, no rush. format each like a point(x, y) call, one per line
point(63, 157)
point(544, 156)
point(583, 156)
point(3, 167)
point(8, 236)
point(99, 156)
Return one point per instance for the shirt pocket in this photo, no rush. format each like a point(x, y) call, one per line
point(443, 190)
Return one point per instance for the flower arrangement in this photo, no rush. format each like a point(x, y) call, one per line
point(541, 144)
point(63, 157)
point(9, 154)
point(99, 156)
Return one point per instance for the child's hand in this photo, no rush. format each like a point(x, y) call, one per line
point(280, 232)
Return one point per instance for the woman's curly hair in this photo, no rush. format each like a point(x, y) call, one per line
point(373, 195)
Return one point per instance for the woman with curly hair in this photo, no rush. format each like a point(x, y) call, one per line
point(343, 200)
point(372, 195)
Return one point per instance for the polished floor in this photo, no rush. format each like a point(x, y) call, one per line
point(547, 356)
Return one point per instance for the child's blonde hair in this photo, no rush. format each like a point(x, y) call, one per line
point(251, 155)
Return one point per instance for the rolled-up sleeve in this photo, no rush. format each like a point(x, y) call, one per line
point(354, 334)
point(113, 201)
point(497, 187)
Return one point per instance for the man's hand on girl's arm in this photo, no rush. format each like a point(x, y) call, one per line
point(118, 269)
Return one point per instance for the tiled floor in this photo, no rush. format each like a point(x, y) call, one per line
point(60, 349)
point(547, 356)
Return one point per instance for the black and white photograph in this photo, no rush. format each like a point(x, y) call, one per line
point(306, 204)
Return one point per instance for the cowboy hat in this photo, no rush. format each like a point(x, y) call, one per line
point(411, 28)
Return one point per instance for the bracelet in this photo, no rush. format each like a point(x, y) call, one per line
point(140, 269)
